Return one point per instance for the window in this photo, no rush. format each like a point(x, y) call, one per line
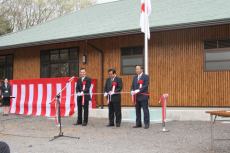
point(59, 62)
point(6, 66)
point(217, 55)
point(214, 44)
point(130, 57)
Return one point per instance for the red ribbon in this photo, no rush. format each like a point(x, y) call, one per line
point(140, 82)
point(114, 84)
point(163, 104)
point(83, 88)
point(134, 99)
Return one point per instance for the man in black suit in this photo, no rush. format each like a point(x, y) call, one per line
point(113, 87)
point(83, 97)
point(139, 90)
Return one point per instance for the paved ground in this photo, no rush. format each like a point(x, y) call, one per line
point(32, 135)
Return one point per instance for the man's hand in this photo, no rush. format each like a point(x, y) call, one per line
point(132, 93)
point(105, 94)
point(137, 91)
point(82, 93)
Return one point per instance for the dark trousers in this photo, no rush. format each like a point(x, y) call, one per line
point(115, 109)
point(144, 105)
point(86, 110)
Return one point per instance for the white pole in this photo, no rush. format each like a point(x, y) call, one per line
point(146, 55)
point(146, 40)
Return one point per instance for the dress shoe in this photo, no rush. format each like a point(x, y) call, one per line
point(137, 126)
point(110, 125)
point(77, 123)
point(84, 124)
point(146, 126)
point(118, 125)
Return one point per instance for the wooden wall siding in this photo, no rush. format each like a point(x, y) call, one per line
point(26, 64)
point(176, 62)
point(176, 65)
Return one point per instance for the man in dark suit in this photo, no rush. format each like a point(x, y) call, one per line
point(139, 90)
point(113, 87)
point(83, 97)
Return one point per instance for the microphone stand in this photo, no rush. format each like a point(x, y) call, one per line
point(61, 134)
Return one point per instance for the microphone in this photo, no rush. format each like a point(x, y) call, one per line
point(70, 79)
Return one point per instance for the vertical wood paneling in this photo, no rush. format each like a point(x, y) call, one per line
point(26, 64)
point(182, 74)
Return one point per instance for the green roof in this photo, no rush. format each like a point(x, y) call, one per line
point(121, 17)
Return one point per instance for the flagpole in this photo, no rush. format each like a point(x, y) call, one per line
point(146, 55)
point(146, 40)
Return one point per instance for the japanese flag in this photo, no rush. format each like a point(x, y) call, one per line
point(144, 18)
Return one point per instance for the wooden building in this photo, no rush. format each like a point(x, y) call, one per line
point(189, 49)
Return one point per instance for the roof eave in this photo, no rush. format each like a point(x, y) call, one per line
point(192, 25)
point(63, 40)
point(120, 33)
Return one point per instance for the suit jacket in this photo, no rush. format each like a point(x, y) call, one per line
point(143, 89)
point(118, 88)
point(6, 90)
point(87, 87)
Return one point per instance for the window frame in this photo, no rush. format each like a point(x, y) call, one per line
point(6, 64)
point(49, 62)
point(215, 50)
point(121, 61)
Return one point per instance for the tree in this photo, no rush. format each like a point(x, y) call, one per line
point(23, 14)
point(4, 26)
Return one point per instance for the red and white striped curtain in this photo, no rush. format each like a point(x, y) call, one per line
point(34, 96)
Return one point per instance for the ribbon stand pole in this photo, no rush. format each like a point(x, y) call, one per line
point(164, 104)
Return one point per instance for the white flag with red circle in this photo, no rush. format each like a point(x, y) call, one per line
point(144, 18)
